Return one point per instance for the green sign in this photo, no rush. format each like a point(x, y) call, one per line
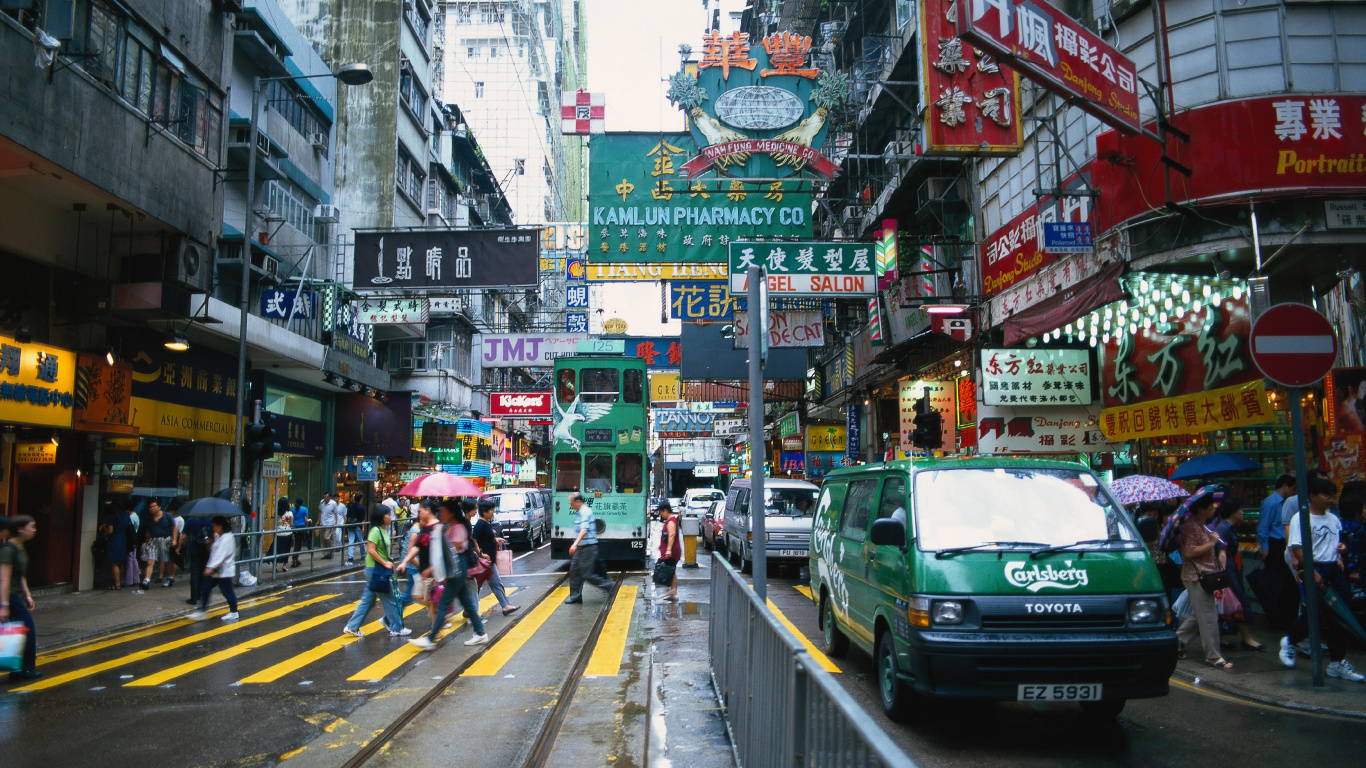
point(830, 270)
point(643, 210)
point(789, 425)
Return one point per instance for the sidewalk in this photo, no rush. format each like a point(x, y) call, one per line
point(76, 616)
point(1261, 677)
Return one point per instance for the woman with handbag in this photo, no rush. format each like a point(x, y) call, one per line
point(379, 578)
point(418, 561)
point(670, 552)
point(487, 541)
point(1230, 514)
point(16, 602)
point(1202, 572)
point(451, 546)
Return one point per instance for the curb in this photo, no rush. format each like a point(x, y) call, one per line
point(1256, 698)
point(278, 586)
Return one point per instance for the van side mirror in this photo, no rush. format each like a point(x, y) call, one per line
point(888, 532)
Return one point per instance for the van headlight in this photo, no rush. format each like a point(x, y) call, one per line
point(1145, 611)
point(947, 612)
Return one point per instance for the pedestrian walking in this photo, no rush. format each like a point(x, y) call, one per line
point(584, 552)
point(329, 519)
point(670, 547)
point(418, 558)
point(284, 533)
point(452, 550)
point(17, 600)
point(1228, 517)
point(488, 542)
point(303, 539)
point(355, 519)
point(379, 578)
point(1270, 532)
point(197, 540)
point(1200, 555)
point(116, 544)
point(178, 542)
point(219, 571)
point(158, 539)
point(1326, 532)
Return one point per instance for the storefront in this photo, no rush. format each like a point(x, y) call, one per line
point(301, 463)
point(376, 432)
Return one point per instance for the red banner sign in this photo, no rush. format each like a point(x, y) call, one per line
point(974, 102)
point(1056, 51)
point(519, 404)
point(710, 154)
point(1015, 251)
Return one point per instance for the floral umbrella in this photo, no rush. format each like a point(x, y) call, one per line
point(1136, 489)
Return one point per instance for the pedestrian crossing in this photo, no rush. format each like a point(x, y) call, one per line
point(182, 649)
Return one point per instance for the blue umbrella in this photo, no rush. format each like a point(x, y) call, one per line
point(1212, 464)
point(210, 506)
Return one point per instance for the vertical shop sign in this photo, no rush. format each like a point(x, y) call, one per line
point(102, 395)
point(838, 371)
point(853, 430)
point(973, 101)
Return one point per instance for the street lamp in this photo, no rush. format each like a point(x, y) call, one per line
point(351, 74)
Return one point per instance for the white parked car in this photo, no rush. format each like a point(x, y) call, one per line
point(696, 501)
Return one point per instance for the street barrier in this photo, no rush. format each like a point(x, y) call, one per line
point(258, 555)
point(782, 709)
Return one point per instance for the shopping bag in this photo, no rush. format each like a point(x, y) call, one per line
point(130, 571)
point(664, 573)
point(504, 562)
point(1182, 607)
point(1230, 608)
point(12, 638)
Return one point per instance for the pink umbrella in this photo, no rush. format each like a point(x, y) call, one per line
point(441, 484)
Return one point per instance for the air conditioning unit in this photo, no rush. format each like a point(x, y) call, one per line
point(942, 189)
point(853, 213)
point(271, 266)
point(319, 139)
point(187, 263)
point(327, 214)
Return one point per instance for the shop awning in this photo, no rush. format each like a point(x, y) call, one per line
point(1067, 306)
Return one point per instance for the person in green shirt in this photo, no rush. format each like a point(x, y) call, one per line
point(377, 562)
point(17, 600)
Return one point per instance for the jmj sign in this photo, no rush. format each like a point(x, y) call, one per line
point(519, 350)
point(1056, 51)
point(519, 404)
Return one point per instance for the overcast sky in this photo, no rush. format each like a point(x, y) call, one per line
point(632, 50)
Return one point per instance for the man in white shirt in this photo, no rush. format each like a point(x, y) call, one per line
point(328, 511)
point(1326, 531)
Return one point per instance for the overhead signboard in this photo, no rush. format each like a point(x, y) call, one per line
point(564, 237)
point(665, 388)
point(651, 272)
point(1057, 52)
point(643, 210)
point(101, 399)
point(943, 399)
point(1067, 237)
point(1037, 377)
point(699, 300)
point(705, 470)
point(729, 427)
point(826, 437)
point(388, 311)
point(789, 424)
point(527, 350)
point(828, 270)
point(785, 329)
point(436, 436)
point(36, 383)
point(1056, 429)
point(1344, 214)
point(682, 420)
point(425, 259)
point(519, 404)
point(576, 322)
point(973, 101)
point(43, 452)
point(282, 305)
point(1240, 405)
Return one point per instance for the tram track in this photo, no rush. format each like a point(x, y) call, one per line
point(545, 740)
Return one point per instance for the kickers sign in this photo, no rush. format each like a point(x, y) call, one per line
point(519, 404)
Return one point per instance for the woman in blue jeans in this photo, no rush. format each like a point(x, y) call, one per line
point(377, 549)
point(451, 549)
point(15, 599)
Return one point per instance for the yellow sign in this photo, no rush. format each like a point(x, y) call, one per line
point(120, 485)
point(614, 326)
point(35, 453)
point(36, 383)
point(656, 271)
point(665, 387)
point(820, 437)
point(1238, 406)
point(123, 444)
point(183, 422)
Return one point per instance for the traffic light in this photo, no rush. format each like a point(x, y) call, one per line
point(262, 438)
point(929, 430)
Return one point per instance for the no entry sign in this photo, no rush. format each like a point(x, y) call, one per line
point(1293, 345)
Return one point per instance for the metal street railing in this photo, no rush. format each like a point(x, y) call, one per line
point(781, 707)
point(263, 553)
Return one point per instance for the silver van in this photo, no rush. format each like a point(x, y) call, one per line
point(790, 506)
point(523, 514)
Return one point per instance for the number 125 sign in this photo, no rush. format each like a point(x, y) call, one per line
point(1056, 51)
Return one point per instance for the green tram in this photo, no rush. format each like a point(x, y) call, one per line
point(598, 448)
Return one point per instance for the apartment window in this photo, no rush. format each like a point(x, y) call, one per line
point(493, 51)
point(411, 93)
point(139, 67)
point(492, 14)
point(419, 21)
point(478, 90)
point(463, 14)
point(98, 33)
point(472, 52)
point(409, 178)
point(297, 213)
point(297, 110)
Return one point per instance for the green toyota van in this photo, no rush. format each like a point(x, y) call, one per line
point(990, 578)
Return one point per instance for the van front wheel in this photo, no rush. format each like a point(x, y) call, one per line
point(895, 696)
point(836, 642)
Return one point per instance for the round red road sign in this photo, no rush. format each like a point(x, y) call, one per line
point(1293, 345)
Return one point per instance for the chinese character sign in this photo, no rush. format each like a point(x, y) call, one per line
point(700, 300)
point(1056, 51)
point(36, 383)
point(576, 296)
point(576, 322)
point(1037, 377)
point(656, 351)
point(279, 304)
point(389, 311)
point(425, 259)
point(853, 429)
point(838, 371)
point(1054, 429)
point(972, 100)
point(102, 394)
point(942, 397)
point(829, 270)
point(1240, 405)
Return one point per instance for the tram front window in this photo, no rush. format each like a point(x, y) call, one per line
point(567, 472)
point(600, 385)
point(629, 472)
point(564, 386)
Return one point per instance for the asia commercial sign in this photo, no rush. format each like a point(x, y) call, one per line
point(522, 350)
point(729, 427)
point(973, 101)
point(442, 437)
point(697, 300)
point(682, 420)
point(1056, 51)
point(519, 404)
point(942, 397)
point(789, 424)
point(1037, 377)
point(650, 272)
point(806, 269)
point(383, 311)
point(446, 258)
point(665, 388)
point(1050, 429)
point(785, 329)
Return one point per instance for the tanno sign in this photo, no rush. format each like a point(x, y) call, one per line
point(519, 404)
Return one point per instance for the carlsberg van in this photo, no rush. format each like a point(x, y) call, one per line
point(987, 578)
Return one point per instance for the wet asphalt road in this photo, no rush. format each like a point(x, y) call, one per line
point(1185, 728)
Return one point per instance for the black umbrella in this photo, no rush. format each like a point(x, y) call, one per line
point(210, 506)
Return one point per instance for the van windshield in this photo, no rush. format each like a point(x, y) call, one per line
point(789, 502)
point(511, 502)
point(1017, 507)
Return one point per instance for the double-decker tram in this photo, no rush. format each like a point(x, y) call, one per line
point(598, 448)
